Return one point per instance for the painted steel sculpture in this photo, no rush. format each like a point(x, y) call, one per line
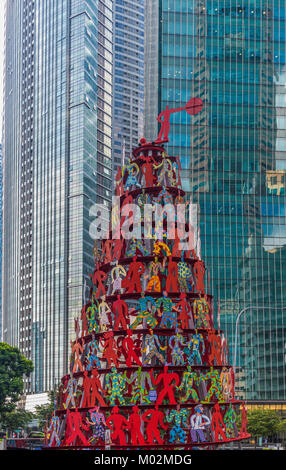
point(148, 367)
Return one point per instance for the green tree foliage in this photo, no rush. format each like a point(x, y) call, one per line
point(14, 420)
point(264, 423)
point(43, 413)
point(13, 366)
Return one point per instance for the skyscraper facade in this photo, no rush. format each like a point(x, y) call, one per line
point(1, 185)
point(128, 96)
point(57, 164)
point(233, 155)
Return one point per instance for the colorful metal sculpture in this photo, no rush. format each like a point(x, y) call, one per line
point(170, 356)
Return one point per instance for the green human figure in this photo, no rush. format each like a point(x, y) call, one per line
point(201, 313)
point(229, 422)
point(189, 379)
point(169, 319)
point(115, 384)
point(215, 386)
point(91, 315)
point(179, 416)
point(139, 379)
point(146, 305)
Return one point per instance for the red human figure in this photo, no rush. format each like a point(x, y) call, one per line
point(244, 420)
point(84, 323)
point(97, 279)
point(232, 374)
point(132, 281)
point(147, 170)
point(134, 424)
point(164, 119)
point(129, 347)
point(74, 424)
point(106, 251)
point(96, 387)
point(116, 422)
point(215, 346)
point(183, 308)
point(128, 199)
point(166, 378)
point(77, 349)
point(120, 310)
point(156, 419)
point(86, 390)
point(217, 424)
point(172, 278)
point(109, 349)
point(117, 248)
point(199, 274)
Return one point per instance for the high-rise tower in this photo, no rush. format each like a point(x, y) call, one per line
point(128, 96)
point(233, 155)
point(57, 142)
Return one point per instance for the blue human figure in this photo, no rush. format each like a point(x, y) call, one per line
point(92, 359)
point(169, 318)
point(180, 418)
point(177, 353)
point(193, 348)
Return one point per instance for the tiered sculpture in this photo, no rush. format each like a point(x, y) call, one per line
point(148, 368)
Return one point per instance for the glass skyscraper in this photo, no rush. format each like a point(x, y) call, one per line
point(57, 164)
point(128, 96)
point(233, 154)
point(1, 186)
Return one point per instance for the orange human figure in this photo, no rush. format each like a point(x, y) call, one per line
point(84, 322)
point(106, 251)
point(77, 349)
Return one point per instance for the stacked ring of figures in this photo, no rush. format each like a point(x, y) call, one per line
point(148, 367)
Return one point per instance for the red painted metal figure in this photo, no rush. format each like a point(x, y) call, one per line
point(244, 420)
point(120, 311)
point(74, 425)
point(97, 279)
point(199, 274)
point(183, 308)
point(166, 378)
point(215, 348)
point(132, 282)
point(172, 278)
point(152, 428)
point(117, 423)
point(217, 423)
point(147, 170)
point(109, 349)
point(96, 388)
point(129, 347)
point(134, 424)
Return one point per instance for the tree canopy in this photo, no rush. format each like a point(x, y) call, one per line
point(13, 366)
point(264, 423)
